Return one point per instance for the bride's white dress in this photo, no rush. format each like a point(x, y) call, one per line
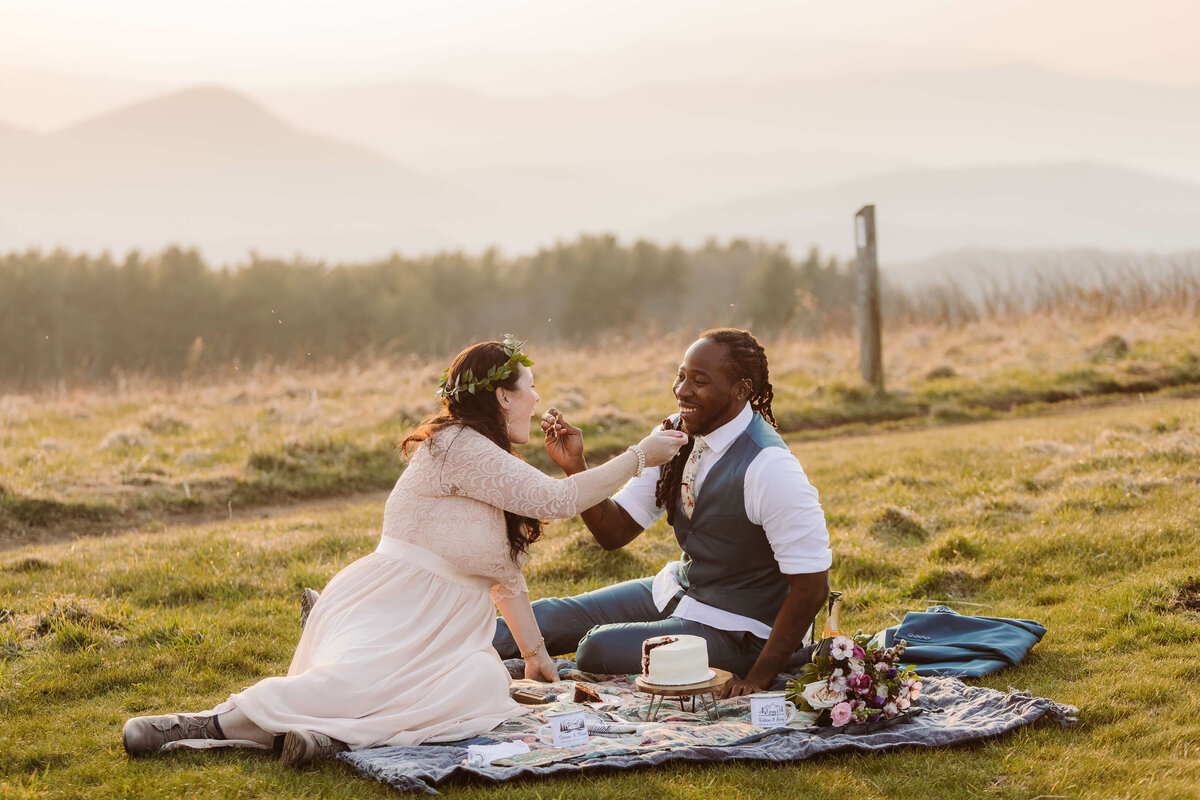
point(398, 650)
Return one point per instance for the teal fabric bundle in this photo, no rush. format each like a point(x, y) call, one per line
point(945, 643)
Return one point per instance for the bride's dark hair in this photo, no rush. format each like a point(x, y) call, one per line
point(480, 412)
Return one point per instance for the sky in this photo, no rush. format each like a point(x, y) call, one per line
point(565, 45)
point(553, 141)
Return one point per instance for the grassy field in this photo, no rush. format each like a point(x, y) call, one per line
point(1086, 519)
point(137, 452)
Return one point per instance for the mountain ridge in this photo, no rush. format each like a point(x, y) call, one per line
point(924, 211)
point(211, 167)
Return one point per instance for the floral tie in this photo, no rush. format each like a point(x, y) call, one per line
point(687, 494)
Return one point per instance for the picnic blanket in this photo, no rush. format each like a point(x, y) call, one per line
point(952, 712)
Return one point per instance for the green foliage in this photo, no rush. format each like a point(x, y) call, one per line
point(77, 318)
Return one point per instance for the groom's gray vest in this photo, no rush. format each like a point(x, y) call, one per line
point(727, 561)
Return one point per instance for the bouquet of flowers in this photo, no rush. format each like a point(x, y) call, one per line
point(850, 682)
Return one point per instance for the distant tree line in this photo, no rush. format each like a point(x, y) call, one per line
point(77, 318)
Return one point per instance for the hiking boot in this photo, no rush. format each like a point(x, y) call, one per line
point(143, 735)
point(300, 747)
point(308, 599)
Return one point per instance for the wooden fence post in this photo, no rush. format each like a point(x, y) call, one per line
point(870, 341)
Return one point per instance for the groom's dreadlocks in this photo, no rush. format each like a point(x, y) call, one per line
point(745, 359)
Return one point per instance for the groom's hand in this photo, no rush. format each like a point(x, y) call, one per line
point(736, 687)
point(564, 442)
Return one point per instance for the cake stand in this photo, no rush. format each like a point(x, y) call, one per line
point(706, 691)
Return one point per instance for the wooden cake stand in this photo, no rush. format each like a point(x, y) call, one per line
point(706, 691)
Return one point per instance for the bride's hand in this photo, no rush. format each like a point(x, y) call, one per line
point(564, 442)
point(662, 445)
point(541, 668)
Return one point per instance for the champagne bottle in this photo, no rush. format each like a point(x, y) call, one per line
point(833, 625)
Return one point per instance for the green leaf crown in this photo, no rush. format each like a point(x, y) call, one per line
point(466, 381)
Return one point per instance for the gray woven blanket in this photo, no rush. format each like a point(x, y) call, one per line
point(952, 712)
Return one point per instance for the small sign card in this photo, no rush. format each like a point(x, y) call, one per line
point(771, 710)
point(566, 729)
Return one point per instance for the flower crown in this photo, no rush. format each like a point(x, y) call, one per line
point(466, 381)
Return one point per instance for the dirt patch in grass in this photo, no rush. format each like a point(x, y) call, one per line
point(1188, 597)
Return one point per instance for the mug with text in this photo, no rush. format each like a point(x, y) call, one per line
point(771, 710)
point(566, 729)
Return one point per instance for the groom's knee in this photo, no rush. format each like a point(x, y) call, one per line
point(603, 650)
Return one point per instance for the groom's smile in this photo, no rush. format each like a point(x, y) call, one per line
point(708, 396)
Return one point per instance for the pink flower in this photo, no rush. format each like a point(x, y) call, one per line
point(914, 691)
point(890, 710)
point(841, 647)
point(859, 681)
point(902, 703)
point(841, 714)
point(881, 666)
point(858, 652)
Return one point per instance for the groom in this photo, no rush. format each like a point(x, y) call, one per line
point(754, 568)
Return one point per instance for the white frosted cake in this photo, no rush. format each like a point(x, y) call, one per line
point(675, 660)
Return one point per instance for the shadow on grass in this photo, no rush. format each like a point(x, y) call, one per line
point(19, 514)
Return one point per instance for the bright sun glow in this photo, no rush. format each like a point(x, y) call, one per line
point(479, 42)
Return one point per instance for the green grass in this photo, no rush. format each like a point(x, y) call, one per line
point(1086, 522)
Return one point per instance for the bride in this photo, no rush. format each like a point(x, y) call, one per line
point(398, 649)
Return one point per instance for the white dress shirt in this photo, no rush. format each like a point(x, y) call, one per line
point(779, 497)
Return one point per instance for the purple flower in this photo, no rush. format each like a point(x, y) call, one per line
point(858, 652)
point(891, 673)
point(859, 681)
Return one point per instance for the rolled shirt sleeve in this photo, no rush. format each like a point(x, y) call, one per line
point(780, 498)
point(637, 497)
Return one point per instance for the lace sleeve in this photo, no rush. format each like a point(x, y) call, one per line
point(509, 586)
point(474, 467)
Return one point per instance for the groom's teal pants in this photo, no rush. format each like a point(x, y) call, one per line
point(605, 629)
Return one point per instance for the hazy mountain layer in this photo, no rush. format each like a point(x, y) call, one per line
point(213, 168)
point(922, 212)
point(788, 161)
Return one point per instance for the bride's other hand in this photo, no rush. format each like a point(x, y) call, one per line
point(541, 668)
point(662, 445)
point(564, 442)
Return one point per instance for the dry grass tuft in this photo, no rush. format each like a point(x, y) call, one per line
point(898, 525)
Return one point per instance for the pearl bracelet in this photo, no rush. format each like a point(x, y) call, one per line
point(641, 457)
point(535, 650)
